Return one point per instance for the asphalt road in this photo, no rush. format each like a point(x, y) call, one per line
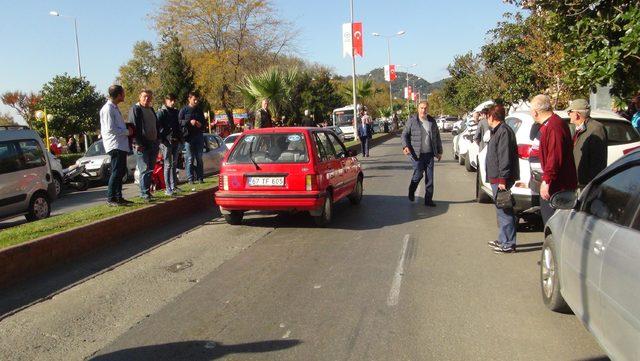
point(388, 280)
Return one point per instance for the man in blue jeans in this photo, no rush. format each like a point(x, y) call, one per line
point(421, 143)
point(193, 123)
point(147, 135)
point(170, 142)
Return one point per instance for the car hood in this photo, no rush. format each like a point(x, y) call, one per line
point(94, 162)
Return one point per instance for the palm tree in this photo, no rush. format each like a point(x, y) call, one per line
point(273, 84)
point(364, 90)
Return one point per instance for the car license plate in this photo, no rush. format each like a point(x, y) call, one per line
point(266, 181)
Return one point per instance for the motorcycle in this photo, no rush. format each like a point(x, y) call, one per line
point(76, 177)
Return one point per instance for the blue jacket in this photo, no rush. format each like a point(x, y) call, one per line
point(412, 136)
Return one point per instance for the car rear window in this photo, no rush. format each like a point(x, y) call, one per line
point(270, 148)
point(619, 132)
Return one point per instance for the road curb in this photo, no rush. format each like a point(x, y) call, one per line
point(28, 259)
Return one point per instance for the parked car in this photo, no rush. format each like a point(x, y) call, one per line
point(465, 147)
point(57, 173)
point(213, 153)
point(288, 169)
point(622, 138)
point(447, 123)
point(97, 163)
point(26, 178)
point(590, 254)
point(457, 137)
point(230, 139)
point(338, 132)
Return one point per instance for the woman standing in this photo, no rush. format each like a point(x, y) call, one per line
point(502, 172)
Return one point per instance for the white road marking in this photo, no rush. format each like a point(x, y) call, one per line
point(286, 335)
point(317, 286)
point(394, 293)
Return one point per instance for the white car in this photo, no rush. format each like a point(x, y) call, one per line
point(622, 138)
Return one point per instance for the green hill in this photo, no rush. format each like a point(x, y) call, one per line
point(397, 86)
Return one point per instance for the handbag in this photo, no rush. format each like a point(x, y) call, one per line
point(504, 199)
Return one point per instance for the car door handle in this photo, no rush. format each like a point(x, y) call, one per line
point(598, 247)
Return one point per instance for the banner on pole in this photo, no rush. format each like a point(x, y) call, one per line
point(390, 72)
point(347, 40)
point(357, 39)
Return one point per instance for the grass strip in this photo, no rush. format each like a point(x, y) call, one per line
point(29, 231)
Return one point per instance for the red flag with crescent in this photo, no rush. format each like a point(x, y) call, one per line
point(357, 39)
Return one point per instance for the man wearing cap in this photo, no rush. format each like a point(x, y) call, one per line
point(589, 142)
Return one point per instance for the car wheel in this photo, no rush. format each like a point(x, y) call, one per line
point(481, 195)
point(81, 184)
point(467, 164)
point(549, 280)
point(327, 212)
point(356, 196)
point(455, 155)
point(234, 217)
point(39, 207)
point(57, 183)
point(460, 159)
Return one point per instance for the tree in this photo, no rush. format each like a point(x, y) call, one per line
point(273, 84)
point(7, 119)
point(321, 96)
point(174, 69)
point(364, 90)
point(26, 104)
point(139, 73)
point(74, 104)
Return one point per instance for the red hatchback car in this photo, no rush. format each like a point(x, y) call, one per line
point(288, 169)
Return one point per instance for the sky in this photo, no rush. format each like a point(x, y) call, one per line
point(37, 46)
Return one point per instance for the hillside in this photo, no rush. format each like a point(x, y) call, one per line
point(397, 86)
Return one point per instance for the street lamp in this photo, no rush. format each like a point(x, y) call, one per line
point(407, 67)
point(388, 37)
point(75, 26)
point(46, 118)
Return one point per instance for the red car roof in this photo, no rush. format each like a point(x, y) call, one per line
point(278, 130)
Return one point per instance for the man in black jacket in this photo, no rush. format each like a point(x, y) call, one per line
point(170, 142)
point(589, 142)
point(146, 140)
point(193, 124)
point(502, 169)
point(421, 143)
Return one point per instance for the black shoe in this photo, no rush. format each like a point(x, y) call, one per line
point(123, 201)
point(429, 204)
point(412, 191)
point(493, 244)
point(500, 249)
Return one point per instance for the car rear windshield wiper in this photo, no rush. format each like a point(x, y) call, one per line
point(251, 156)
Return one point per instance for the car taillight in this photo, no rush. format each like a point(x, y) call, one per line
point(627, 151)
point(224, 182)
point(524, 151)
point(311, 182)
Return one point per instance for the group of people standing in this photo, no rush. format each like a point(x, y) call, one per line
point(147, 133)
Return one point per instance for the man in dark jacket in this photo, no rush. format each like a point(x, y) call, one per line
point(589, 142)
point(307, 121)
point(502, 170)
point(146, 140)
point(421, 143)
point(193, 125)
point(556, 154)
point(170, 141)
point(263, 116)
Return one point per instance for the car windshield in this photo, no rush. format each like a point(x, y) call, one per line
point(270, 148)
point(95, 149)
point(343, 118)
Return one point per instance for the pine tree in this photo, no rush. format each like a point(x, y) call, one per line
point(175, 71)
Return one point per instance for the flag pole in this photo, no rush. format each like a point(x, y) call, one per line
point(353, 80)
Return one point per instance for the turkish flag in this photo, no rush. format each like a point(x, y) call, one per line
point(392, 72)
point(356, 30)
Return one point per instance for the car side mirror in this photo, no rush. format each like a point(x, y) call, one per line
point(352, 152)
point(564, 200)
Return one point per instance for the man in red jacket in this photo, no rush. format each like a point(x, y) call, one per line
point(556, 154)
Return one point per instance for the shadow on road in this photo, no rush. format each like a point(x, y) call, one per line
point(195, 350)
point(65, 276)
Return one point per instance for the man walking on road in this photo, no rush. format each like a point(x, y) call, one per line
point(115, 133)
point(170, 142)
point(192, 121)
point(147, 132)
point(263, 116)
point(589, 142)
point(556, 154)
point(421, 143)
point(364, 131)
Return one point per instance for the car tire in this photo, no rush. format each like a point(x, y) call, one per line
point(455, 155)
point(57, 183)
point(234, 218)
point(39, 207)
point(82, 184)
point(481, 195)
point(356, 196)
point(549, 278)
point(460, 159)
point(327, 212)
point(467, 164)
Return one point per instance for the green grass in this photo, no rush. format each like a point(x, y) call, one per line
point(29, 231)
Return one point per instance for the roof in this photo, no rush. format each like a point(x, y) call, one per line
point(279, 130)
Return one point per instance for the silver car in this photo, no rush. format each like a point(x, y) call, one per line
point(591, 257)
point(98, 163)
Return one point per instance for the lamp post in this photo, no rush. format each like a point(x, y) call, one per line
point(75, 27)
point(46, 118)
point(388, 37)
point(407, 67)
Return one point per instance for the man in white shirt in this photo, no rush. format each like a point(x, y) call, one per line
point(115, 133)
